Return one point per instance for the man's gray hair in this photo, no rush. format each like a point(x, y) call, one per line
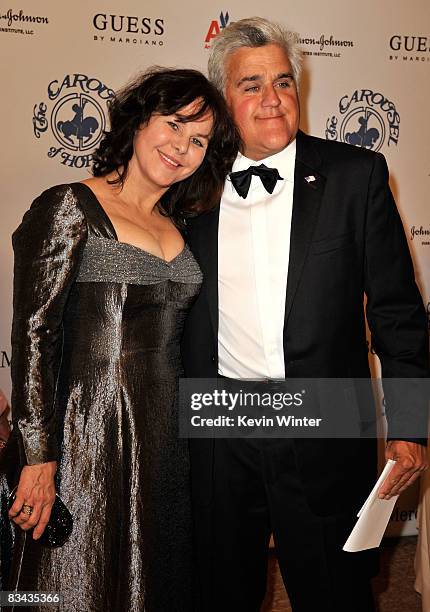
point(251, 32)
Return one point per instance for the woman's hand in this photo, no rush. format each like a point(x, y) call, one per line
point(35, 497)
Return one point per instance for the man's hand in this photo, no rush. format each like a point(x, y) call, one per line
point(411, 461)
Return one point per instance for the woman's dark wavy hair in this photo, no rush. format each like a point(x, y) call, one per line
point(166, 91)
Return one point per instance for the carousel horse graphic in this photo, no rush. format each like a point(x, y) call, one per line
point(78, 127)
point(363, 137)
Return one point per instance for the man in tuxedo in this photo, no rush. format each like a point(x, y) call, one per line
point(287, 258)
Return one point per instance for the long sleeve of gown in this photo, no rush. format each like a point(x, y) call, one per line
point(48, 247)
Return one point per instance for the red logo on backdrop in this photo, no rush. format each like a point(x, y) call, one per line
point(215, 27)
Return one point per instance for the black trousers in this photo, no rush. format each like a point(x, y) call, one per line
point(252, 489)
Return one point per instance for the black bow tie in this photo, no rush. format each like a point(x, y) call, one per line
point(242, 180)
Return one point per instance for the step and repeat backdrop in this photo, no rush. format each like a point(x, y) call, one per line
point(366, 82)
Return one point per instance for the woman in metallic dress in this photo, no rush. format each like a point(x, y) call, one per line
point(103, 282)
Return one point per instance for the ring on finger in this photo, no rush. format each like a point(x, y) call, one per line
point(26, 509)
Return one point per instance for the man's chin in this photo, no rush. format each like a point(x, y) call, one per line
point(276, 141)
point(268, 148)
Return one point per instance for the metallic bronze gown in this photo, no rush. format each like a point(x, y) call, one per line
point(95, 365)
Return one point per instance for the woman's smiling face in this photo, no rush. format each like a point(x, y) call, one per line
point(168, 149)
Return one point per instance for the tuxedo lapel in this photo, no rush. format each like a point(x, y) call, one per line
point(308, 191)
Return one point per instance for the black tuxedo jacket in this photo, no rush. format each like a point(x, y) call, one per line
point(347, 240)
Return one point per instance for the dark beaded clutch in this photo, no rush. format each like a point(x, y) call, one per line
point(60, 525)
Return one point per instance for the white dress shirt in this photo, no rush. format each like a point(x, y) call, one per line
point(253, 255)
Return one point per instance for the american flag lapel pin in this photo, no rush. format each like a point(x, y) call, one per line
point(310, 178)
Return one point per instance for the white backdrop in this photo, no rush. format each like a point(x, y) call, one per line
point(366, 81)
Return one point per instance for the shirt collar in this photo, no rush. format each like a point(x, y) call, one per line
point(284, 161)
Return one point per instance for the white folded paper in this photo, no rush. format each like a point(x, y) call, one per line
point(373, 517)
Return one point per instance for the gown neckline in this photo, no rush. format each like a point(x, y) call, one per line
point(115, 235)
